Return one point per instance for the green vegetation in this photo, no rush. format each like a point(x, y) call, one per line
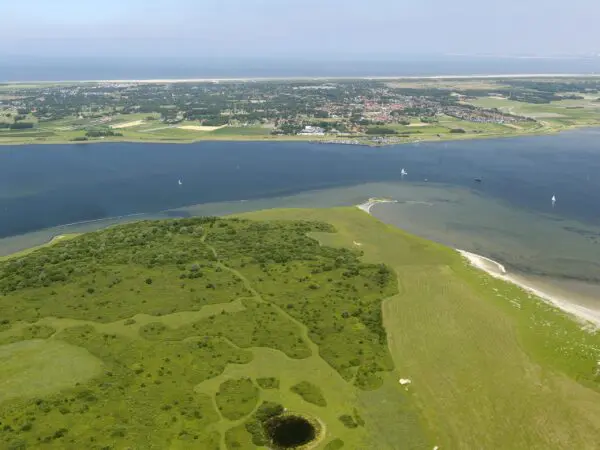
point(457, 334)
point(26, 333)
point(195, 333)
point(256, 425)
point(370, 112)
point(237, 438)
point(29, 250)
point(101, 132)
point(268, 382)
point(352, 421)
point(212, 441)
point(174, 317)
point(380, 131)
point(241, 131)
point(237, 398)
point(336, 444)
point(310, 393)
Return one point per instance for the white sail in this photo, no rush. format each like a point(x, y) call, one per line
point(180, 183)
point(553, 200)
point(403, 172)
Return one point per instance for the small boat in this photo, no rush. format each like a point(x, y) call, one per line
point(179, 182)
point(478, 180)
point(553, 200)
point(403, 172)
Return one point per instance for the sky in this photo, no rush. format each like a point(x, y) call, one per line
point(307, 28)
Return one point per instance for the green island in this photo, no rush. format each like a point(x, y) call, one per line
point(280, 329)
point(356, 112)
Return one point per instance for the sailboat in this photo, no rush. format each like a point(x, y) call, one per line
point(553, 200)
point(179, 182)
point(403, 172)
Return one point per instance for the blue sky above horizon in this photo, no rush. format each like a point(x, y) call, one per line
point(279, 28)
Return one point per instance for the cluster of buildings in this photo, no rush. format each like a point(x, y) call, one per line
point(480, 115)
point(312, 131)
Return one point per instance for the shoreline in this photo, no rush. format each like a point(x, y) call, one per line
point(366, 206)
point(296, 139)
point(582, 314)
point(497, 270)
point(315, 78)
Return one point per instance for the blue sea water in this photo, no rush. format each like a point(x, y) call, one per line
point(508, 216)
point(48, 185)
point(55, 69)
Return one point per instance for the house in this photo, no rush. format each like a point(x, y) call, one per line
point(312, 131)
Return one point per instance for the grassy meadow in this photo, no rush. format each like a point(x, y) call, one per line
point(132, 128)
point(555, 115)
point(490, 365)
point(197, 333)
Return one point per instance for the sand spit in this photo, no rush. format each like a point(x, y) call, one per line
point(583, 314)
point(497, 270)
point(366, 206)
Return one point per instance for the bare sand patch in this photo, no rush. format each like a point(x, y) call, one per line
point(134, 123)
point(512, 125)
point(418, 125)
point(200, 127)
point(497, 270)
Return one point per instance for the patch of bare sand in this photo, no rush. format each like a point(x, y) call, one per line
point(134, 123)
point(497, 270)
point(200, 127)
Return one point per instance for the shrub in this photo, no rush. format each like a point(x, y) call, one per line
point(310, 393)
point(348, 421)
point(268, 383)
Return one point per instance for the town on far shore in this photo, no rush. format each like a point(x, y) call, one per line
point(362, 111)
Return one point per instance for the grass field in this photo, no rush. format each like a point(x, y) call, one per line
point(485, 373)
point(559, 114)
point(193, 333)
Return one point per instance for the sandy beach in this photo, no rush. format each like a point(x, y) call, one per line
point(316, 78)
point(561, 300)
point(497, 270)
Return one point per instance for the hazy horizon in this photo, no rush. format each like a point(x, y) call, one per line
point(320, 30)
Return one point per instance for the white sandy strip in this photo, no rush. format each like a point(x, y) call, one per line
point(366, 206)
point(200, 127)
point(418, 125)
point(497, 270)
point(391, 77)
point(135, 123)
